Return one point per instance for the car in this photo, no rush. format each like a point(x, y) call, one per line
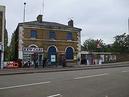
point(12, 65)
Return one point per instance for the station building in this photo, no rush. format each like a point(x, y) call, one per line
point(2, 27)
point(49, 40)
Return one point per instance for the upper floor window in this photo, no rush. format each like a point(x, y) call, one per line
point(33, 34)
point(52, 35)
point(69, 36)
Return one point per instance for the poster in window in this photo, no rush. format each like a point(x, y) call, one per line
point(53, 58)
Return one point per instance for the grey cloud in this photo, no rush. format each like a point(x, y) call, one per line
point(97, 18)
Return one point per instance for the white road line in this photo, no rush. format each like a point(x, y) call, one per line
point(126, 71)
point(25, 85)
point(56, 95)
point(92, 76)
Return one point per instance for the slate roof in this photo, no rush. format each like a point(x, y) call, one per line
point(50, 25)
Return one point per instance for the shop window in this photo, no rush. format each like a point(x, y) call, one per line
point(33, 34)
point(69, 36)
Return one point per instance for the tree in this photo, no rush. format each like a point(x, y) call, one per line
point(13, 47)
point(93, 45)
point(6, 48)
point(121, 43)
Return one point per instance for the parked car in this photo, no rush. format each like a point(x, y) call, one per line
point(12, 64)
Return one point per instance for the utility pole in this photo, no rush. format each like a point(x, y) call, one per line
point(24, 12)
point(43, 8)
point(128, 26)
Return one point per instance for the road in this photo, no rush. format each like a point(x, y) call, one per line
point(110, 82)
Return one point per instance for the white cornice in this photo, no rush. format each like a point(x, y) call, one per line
point(30, 39)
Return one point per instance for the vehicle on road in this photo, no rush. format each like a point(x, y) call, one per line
point(12, 64)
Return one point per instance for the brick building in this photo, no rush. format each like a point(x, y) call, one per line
point(47, 40)
point(2, 27)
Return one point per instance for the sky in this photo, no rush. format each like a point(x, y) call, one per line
point(98, 19)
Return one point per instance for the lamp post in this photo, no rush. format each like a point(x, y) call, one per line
point(24, 12)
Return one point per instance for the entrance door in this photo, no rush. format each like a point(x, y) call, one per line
point(52, 55)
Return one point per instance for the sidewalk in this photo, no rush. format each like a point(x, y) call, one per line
point(60, 68)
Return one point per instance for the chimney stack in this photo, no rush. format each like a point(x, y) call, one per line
point(39, 18)
point(70, 23)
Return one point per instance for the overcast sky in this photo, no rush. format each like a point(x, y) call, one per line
point(99, 19)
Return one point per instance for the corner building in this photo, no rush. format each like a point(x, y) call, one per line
point(47, 40)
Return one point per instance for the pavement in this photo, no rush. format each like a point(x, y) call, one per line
point(61, 69)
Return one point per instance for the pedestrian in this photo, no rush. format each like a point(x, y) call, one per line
point(63, 62)
point(25, 65)
point(44, 62)
point(29, 63)
point(35, 59)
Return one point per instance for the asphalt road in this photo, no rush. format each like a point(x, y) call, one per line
point(109, 82)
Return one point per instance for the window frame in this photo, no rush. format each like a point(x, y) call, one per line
point(52, 35)
point(33, 34)
point(69, 36)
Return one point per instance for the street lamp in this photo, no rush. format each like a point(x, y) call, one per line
point(24, 12)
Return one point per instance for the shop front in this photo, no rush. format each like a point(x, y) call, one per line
point(31, 53)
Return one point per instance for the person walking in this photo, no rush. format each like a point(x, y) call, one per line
point(44, 62)
point(63, 62)
point(35, 58)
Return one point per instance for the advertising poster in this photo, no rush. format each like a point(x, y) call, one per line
point(53, 58)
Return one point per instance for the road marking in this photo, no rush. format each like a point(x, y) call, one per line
point(25, 85)
point(57, 95)
point(91, 76)
point(126, 71)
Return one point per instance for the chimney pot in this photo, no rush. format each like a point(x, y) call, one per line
point(39, 18)
point(70, 23)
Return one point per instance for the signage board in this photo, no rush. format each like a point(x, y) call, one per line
point(29, 49)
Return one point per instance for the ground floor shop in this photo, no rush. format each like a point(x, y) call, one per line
point(51, 56)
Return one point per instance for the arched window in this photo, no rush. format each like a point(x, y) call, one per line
point(33, 34)
point(69, 53)
point(69, 36)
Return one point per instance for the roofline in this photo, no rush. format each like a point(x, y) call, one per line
point(21, 24)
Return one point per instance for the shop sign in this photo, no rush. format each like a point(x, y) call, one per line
point(33, 49)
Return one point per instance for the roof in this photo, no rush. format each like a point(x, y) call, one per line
point(52, 25)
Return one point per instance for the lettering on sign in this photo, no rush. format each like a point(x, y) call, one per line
point(33, 49)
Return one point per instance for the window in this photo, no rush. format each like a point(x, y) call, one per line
point(69, 53)
point(69, 36)
point(52, 35)
point(33, 34)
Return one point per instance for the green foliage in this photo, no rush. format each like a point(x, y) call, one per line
point(121, 43)
point(6, 48)
point(13, 47)
point(91, 45)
